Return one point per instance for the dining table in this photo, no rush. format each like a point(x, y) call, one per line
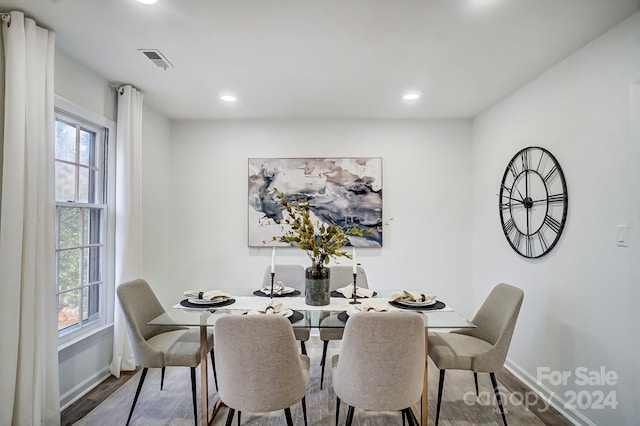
point(302, 315)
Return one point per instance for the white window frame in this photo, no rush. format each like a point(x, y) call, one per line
point(107, 301)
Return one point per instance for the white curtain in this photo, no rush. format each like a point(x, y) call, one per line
point(29, 393)
point(128, 213)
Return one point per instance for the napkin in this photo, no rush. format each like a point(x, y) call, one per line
point(215, 295)
point(410, 296)
point(370, 306)
point(360, 291)
point(272, 307)
point(278, 288)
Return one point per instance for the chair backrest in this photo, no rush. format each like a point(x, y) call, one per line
point(495, 322)
point(257, 361)
point(290, 275)
point(382, 360)
point(140, 305)
point(342, 276)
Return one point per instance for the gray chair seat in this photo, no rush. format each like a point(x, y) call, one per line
point(455, 351)
point(179, 348)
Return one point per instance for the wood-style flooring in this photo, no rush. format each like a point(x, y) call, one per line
point(456, 408)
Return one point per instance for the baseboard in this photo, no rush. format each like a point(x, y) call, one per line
point(547, 395)
point(84, 387)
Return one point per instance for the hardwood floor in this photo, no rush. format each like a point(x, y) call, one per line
point(457, 384)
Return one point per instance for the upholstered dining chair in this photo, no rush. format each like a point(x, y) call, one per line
point(381, 363)
point(340, 276)
point(154, 346)
point(259, 367)
point(291, 276)
point(482, 349)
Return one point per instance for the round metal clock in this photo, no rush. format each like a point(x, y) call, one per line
point(533, 202)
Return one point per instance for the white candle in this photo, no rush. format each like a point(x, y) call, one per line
point(355, 261)
point(273, 260)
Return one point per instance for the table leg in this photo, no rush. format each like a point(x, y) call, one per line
point(424, 404)
point(204, 379)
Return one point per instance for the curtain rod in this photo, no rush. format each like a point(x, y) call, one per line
point(6, 17)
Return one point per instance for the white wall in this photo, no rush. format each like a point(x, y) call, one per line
point(426, 175)
point(579, 299)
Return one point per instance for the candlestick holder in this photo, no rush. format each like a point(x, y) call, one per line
point(355, 300)
point(273, 274)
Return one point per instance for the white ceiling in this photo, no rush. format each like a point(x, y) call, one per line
point(324, 58)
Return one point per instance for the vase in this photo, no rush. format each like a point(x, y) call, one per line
point(316, 285)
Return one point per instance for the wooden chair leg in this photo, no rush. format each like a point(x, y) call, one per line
point(287, 415)
point(162, 378)
point(213, 367)
point(230, 416)
point(337, 410)
point(440, 386)
point(475, 379)
point(350, 415)
point(193, 394)
point(323, 361)
point(304, 409)
point(135, 398)
point(497, 392)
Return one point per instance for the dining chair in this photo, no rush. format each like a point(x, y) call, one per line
point(482, 349)
point(259, 367)
point(381, 363)
point(340, 276)
point(291, 276)
point(158, 346)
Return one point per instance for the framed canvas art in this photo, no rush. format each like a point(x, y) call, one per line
point(342, 191)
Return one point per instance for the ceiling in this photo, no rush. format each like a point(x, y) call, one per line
point(324, 58)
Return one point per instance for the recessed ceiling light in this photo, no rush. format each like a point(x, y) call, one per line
point(228, 98)
point(411, 96)
point(147, 1)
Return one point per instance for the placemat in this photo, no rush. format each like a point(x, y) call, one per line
point(188, 304)
point(434, 307)
point(292, 294)
point(335, 293)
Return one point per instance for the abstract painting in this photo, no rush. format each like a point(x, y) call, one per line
point(342, 191)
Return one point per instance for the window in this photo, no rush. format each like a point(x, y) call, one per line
point(83, 237)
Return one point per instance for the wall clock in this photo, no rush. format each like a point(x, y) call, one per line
point(533, 202)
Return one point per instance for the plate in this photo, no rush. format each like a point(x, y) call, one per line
point(206, 301)
point(286, 313)
point(286, 290)
point(412, 303)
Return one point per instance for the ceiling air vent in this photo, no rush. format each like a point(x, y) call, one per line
point(157, 58)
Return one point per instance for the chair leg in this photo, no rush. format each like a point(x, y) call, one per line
point(135, 398)
point(440, 386)
point(497, 392)
point(403, 414)
point(323, 361)
point(407, 412)
point(287, 415)
point(475, 379)
point(213, 367)
point(239, 416)
point(162, 378)
point(337, 410)
point(304, 409)
point(193, 394)
point(350, 415)
point(303, 347)
point(230, 416)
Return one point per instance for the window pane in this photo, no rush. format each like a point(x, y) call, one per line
point(91, 302)
point(70, 226)
point(83, 185)
point(93, 226)
point(87, 148)
point(65, 142)
point(94, 269)
point(68, 269)
point(65, 182)
point(68, 309)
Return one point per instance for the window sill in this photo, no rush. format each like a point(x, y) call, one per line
point(78, 339)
